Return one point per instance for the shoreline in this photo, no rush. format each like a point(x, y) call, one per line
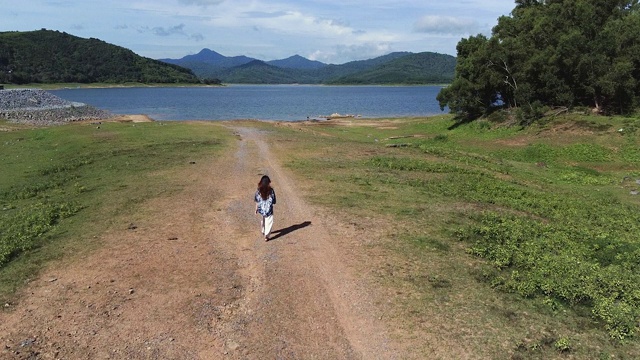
point(61, 86)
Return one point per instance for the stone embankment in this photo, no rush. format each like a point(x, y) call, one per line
point(39, 107)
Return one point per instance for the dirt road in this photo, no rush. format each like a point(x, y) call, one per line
point(192, 278)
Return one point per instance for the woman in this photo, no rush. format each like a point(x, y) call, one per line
point(265, 198)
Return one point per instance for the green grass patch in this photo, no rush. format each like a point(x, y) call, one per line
point(59, 186)
point(545, 212)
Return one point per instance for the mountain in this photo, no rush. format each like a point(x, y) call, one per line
point(421, 68)
point(46, 56)
point(297, 62)
point(209, 57)
point(205, 56)
point(257, 72)
point(332, 72)
point(393, 68)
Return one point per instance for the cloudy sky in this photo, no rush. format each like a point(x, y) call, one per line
point(331, 31)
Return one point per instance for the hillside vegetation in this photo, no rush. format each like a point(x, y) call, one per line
point(46, 56)
point(393, 68)
point(551, 54)
point(422, 68)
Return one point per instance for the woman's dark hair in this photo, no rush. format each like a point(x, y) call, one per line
point(264, 186)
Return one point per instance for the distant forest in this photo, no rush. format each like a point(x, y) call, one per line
point(551, 54)
point(46, 56)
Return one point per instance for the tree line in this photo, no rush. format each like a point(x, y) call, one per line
point(551, 54)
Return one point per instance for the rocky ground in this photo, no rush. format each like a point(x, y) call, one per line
point(39, 107)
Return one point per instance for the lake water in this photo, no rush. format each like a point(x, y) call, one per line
point(262, 102)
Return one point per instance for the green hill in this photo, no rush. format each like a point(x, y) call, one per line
point(257, 72)
point(47, 56)
point(421, 68)
point(393, 68)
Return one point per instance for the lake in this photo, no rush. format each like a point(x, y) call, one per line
point(262, 102)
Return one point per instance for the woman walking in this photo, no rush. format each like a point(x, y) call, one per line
point(265, 198)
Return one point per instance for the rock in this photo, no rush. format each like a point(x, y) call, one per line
point(27, 342)
point(232, 345)
point(39, 107)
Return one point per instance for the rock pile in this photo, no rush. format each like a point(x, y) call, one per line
point(38, 107)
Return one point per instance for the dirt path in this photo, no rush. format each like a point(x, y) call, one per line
point(192, 279)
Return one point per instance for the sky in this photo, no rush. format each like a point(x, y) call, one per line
point(331, 31)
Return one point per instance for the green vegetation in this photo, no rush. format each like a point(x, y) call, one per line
point(423, 68)
point(60, 186)
point(394, 68)
point(527, 237)
point(258, 72)
point(551, 54)
point(47, 56)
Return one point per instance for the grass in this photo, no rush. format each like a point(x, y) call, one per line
point(60, 186)
point(518, 243)
point(499, 242)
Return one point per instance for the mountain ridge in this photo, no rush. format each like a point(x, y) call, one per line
point(48, 56)
point(417, 68)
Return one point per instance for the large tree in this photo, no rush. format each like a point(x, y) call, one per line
point(556, 53)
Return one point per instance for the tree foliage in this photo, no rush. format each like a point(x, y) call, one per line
point(46, 56)
point(551, 53)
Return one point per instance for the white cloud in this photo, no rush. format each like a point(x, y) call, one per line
point(344, 53)
point(435, 24)
point(333, 31)
point(203, 3)
point(264, 14)
point(170, 31)
point(161, 31)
